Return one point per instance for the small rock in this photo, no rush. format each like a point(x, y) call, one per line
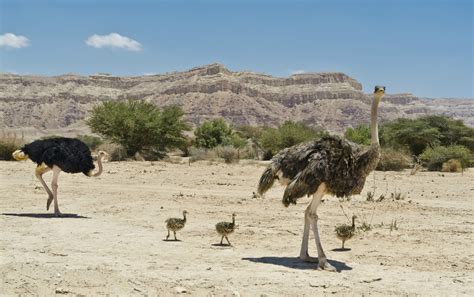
point(180, 290)
point(61, 291)
point(236, 294)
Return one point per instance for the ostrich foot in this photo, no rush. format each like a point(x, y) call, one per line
point(48, 202)
point(308, 258)
point(58, 214)
point(324, 265)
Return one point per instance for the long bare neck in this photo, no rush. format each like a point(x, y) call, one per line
point(184, 217)
point(374, 131)
point(233, 220)
point(99, 164)
point(353, 222)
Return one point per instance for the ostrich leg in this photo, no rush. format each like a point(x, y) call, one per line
point(313, 216)
point(40, 170)
point(304, 244)
point(54, 186)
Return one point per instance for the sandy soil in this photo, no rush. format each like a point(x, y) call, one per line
point(112, 240)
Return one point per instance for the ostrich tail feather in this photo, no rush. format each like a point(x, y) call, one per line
point(266, 181)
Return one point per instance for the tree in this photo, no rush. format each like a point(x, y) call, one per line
point(139, 126)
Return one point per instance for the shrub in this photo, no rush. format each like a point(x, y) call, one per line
point(394, 160)
point(287, 134)
point(116, 152)
point(8, 144)
point(213, 133)
point(139, 125)
point(360, 134)
point(199, 153)
point(429, 131)
point(91, 141)
point(433, 158)
point(228, 153)
point(452, 165)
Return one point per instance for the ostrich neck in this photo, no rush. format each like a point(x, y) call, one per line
point(374, 131)
point(184, 217)
point(233, 220)
point(353, 222)
point(99, 163)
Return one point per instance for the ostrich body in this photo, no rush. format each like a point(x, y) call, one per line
point(345, 232)
point(226, 228)
point(330, 165)
point(175, 224)
point(59, 154)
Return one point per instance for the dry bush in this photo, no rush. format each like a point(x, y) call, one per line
point(228, 153)
point(198, 154)
point(116, 152)
point(452, 165)
point(394, 160)
point(9, 142)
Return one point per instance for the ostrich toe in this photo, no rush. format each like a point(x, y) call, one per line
point(324, 265)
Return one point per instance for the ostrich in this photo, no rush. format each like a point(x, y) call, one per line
point(345, 232)
point(226, 228)
point(175, 224)
point(330, 165)
point(59, 154)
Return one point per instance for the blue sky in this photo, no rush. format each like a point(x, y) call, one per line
point(420, 46)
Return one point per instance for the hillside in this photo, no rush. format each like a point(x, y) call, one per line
point(60, 104)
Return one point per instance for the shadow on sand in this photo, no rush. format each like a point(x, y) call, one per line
point(341, 250)
point(172, 240)
point(46, 215)
point(296, 263)
point(221, 245)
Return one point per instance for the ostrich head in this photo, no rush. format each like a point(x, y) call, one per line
point(185, 212)
point(379, 91)
point(19, 155)
point(234, 215)
point(102, 155)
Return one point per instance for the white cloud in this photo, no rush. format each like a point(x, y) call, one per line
point(297, 71)
point(113, 40)
point(12, 40)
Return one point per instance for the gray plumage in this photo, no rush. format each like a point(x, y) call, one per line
point(332, 160)
point(175, 224)
point(226, 228)
point(345, 232)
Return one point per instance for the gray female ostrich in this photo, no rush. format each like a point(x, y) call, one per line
point(330, 165)
point(59, 154)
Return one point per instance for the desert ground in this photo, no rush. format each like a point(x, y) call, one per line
point(111, 239)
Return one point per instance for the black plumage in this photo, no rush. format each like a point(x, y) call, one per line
point(69, 154)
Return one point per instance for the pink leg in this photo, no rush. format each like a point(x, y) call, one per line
point(313, 216)
point(54, 186)
point(40, 170)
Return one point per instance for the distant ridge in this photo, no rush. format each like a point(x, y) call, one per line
point(331, 100)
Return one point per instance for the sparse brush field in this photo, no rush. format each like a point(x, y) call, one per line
point(418, 240)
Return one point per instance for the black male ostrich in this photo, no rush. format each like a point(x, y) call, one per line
point(59, 154)
point(330, 165)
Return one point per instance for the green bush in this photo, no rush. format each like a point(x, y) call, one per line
point(394, 160)
point(433, 158)
point(429, 131)
point(360, 134)
point(8, 144)
point(287, 134)
point(213, 133)
point(91, 141)
point(139, 126)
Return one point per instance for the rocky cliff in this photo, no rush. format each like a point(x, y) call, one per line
point(334, 101)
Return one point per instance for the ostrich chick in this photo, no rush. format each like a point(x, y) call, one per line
point(175, 224)
point(346, 232)
point(226, 228)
